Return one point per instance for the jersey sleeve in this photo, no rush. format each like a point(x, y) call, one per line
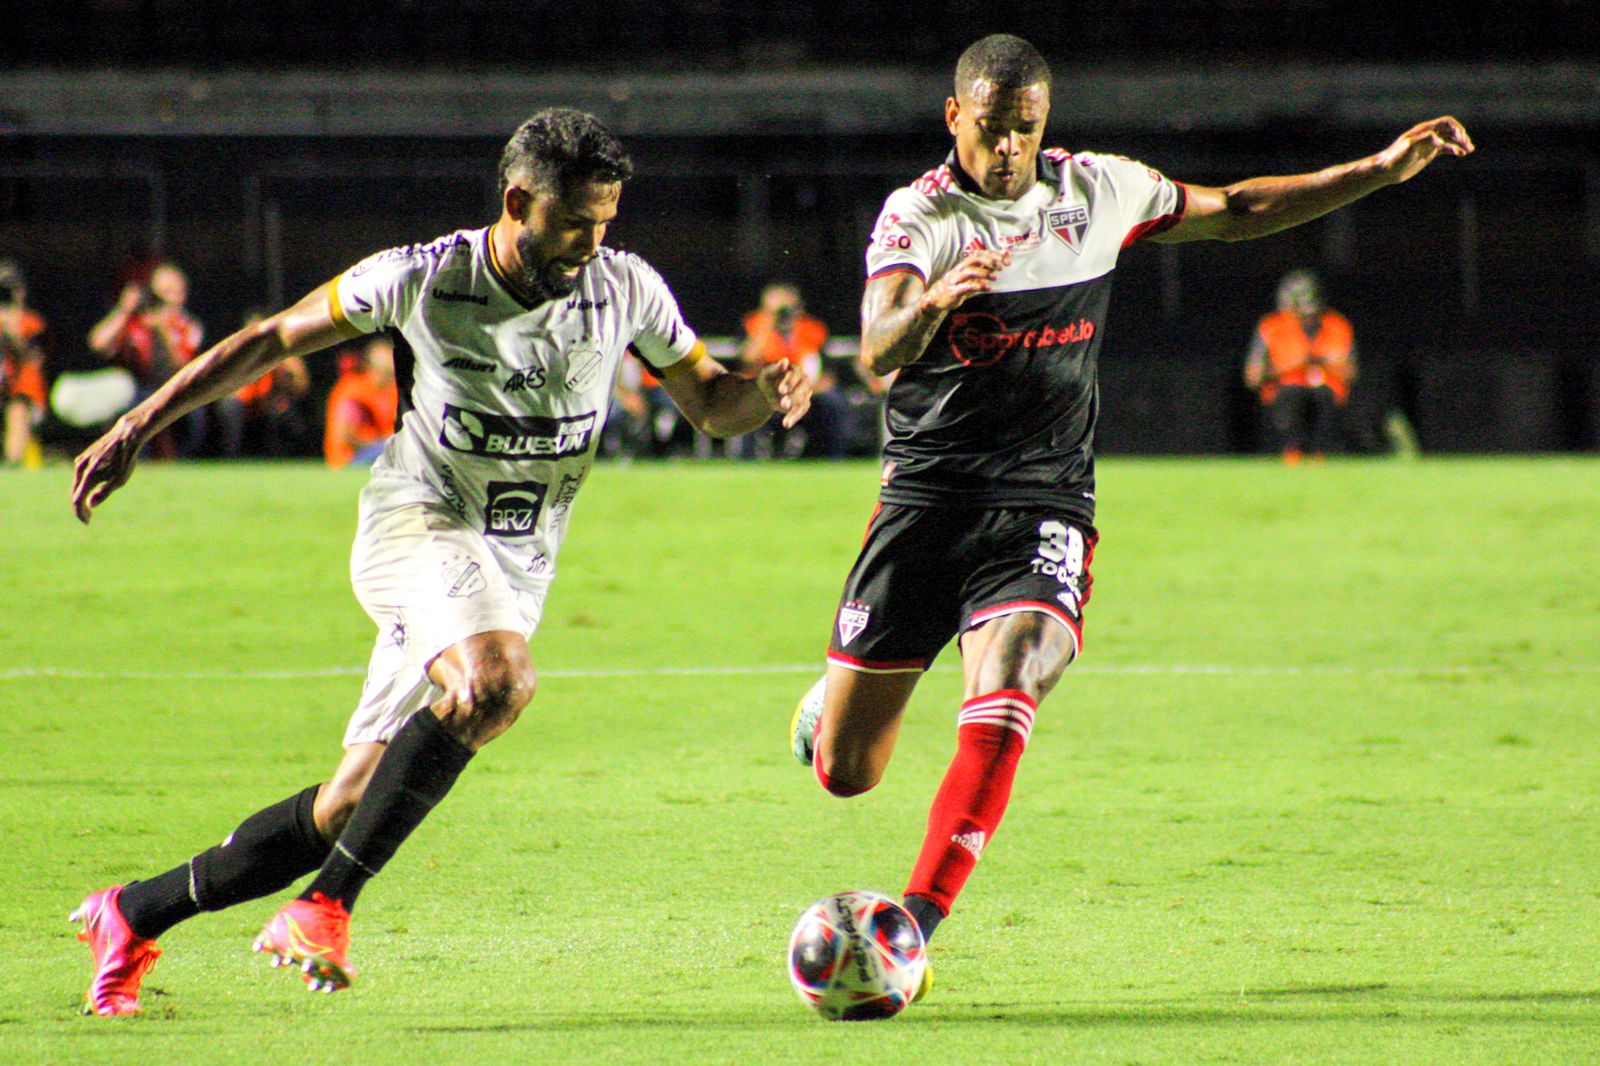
point(903, 239)
point(379, 292)
point(662, 338)
point(1147, 199)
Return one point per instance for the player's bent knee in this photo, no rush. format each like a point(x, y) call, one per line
point(487, 701)
point(334, 805)
point(838, 778)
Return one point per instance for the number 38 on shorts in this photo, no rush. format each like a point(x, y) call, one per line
point(927, 574)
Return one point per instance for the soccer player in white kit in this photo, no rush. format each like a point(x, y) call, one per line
point(510, 338)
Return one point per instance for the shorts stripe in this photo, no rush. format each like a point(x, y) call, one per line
point(988, 614)
point(868, 666)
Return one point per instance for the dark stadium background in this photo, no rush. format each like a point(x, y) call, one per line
point(266, 146)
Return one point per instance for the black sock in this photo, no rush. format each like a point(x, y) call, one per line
point(927, 914)
point(268, 852)
point(422, 762)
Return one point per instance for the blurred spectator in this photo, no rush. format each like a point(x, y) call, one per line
point(22, 392)
point(271, 404)
point(152, 336)
point(781, 329)
point(361, 407)
point(1302, 360)
point(627, 432)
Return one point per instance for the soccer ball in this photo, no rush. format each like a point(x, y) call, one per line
point(856, 956)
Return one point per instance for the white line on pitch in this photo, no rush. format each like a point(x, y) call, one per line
point(1217, 669)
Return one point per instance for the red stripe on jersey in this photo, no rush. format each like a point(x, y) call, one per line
point(936, 180)
point(1159, 225)
point(866, 534)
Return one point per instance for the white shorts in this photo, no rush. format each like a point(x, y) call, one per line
point(429, 582)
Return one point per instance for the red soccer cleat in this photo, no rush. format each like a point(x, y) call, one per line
point(313, 935)
point(121, 959)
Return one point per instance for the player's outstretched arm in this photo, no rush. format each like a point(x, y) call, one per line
point(106, 465)
point(1259, 206)
point(721, 404)
point(900, 315)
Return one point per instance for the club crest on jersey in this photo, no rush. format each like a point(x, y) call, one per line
point(583, 367)
point(1070, 224)
point(853, 618)
point(465, 579)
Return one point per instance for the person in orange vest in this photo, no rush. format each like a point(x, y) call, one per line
point(1302, 361)
point(22, 392)
point(781, 329)
point(362, 405)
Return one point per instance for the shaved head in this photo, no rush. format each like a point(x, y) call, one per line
point(1007, 63)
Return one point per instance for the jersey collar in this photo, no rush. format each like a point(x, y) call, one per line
point(1048, 174)
point(498, 272)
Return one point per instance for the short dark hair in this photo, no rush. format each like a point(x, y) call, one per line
point(560, 148)
point(1007, 62)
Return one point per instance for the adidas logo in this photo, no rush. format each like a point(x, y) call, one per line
point(973, 841)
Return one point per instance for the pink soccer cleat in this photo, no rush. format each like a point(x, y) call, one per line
point(313, 935)
point(121, 959)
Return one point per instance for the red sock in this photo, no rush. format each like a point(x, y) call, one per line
point(990, 736)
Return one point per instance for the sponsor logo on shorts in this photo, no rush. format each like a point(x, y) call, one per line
point(1070, 223)
point(515, 437)
point(397, 632)
point(513, 508)
point(539, 564)
point(465, 578)
point(853, 618)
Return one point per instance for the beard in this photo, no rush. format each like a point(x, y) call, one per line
point(544, 280)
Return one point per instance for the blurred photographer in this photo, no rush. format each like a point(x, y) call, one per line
point(151, 335)
point(22, 392)
point(780, 329)
point(270, 406)
point(1302, 361)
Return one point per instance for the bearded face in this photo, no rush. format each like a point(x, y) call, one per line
point(561, 235)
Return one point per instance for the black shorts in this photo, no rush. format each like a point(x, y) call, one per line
point(928, 573)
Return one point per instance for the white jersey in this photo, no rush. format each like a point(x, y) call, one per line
point(1000, 409)
point(502, 404)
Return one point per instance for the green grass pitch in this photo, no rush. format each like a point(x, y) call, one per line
point(1325, 787)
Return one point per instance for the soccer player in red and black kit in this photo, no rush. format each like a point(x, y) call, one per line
point(987, 289)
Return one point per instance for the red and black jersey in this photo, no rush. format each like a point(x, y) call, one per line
point(1000, 410)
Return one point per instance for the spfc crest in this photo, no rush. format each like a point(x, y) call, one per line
point(1070, 224)
point(853, 618)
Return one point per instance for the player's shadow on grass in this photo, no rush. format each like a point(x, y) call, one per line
point(1288, 1005)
